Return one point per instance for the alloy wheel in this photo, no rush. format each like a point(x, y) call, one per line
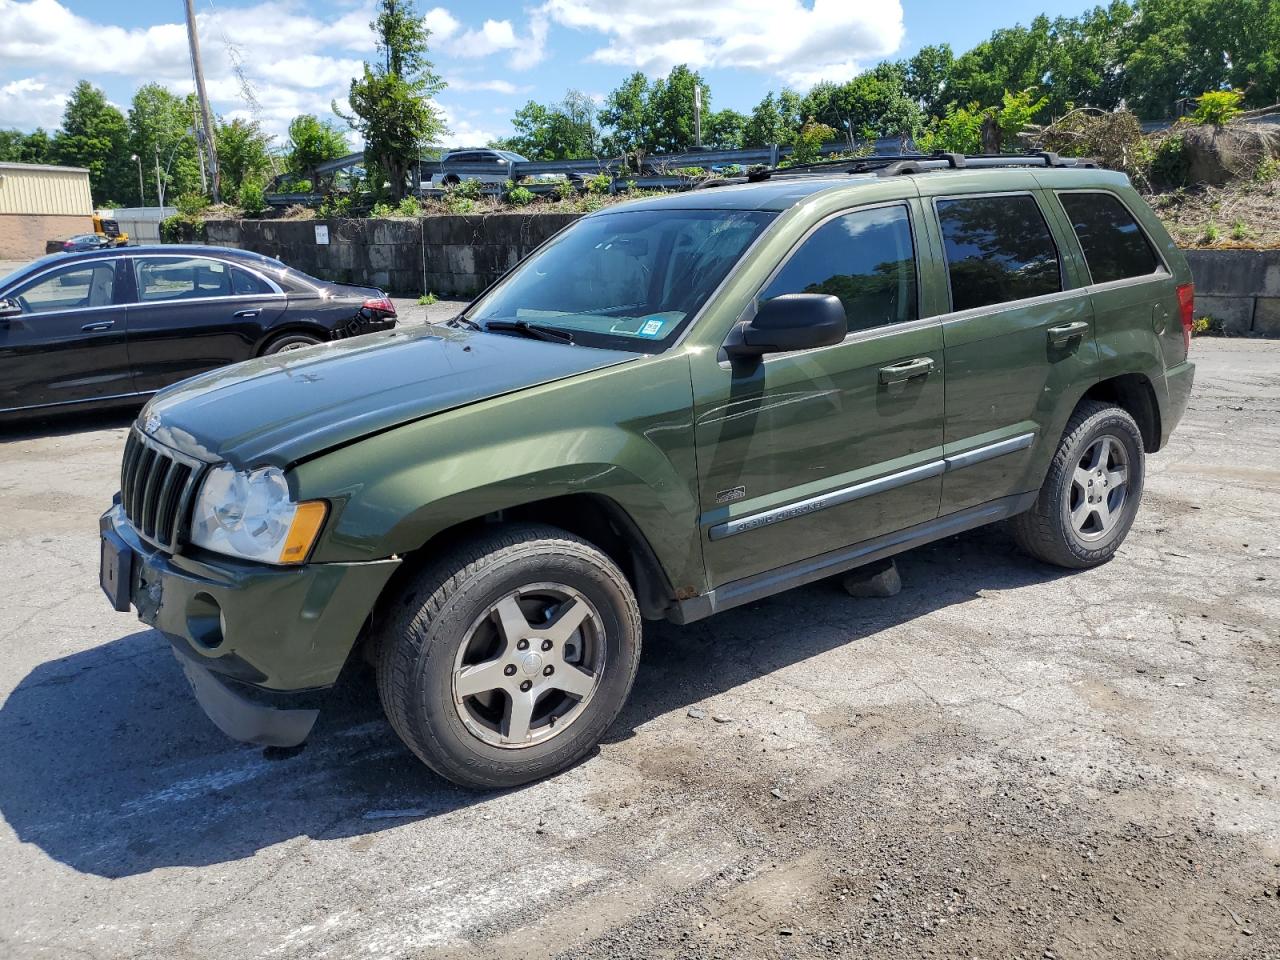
point(528, 667)
point(1099, 489)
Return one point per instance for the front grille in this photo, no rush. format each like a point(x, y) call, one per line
point(156, 488)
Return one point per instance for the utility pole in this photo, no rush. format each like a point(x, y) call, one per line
point(198, 69)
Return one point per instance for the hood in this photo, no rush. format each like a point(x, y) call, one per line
point(285, 408)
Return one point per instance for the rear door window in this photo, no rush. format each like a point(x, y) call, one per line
point(999, 249)
point(181, 278)
point(1115, 247)
point(866, 258)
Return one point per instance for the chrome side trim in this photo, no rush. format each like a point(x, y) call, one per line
point(868, 488)
point(825, 500)
point(989, 452)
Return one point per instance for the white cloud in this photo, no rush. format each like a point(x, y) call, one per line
point(441, 23)
point(500, 36)
point(832, 39)
point(462, 132)
point(29, 103)
point(495, 35)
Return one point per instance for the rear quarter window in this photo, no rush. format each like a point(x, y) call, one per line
point(1115, 247)
point(999, 249)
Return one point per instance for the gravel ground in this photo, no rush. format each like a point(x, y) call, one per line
point(1003, 760)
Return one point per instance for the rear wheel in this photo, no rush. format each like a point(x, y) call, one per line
point(1091, 494)
point(290, 342)
point(507, 660)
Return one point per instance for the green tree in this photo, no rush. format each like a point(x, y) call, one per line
point(670, 109)
point(19, 147)
point(626, 111)
point(561, 131)
point(243, 156)
point(724, 130)
point(928, 77)
point(775, 119)
point(161, 133)
point(391, 103)
point(311, 143)
point(872, 105)
point(94, 135)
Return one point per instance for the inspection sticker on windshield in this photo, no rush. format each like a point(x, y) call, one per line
point(651, 329)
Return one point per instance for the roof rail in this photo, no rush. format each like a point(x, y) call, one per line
point(924, 163)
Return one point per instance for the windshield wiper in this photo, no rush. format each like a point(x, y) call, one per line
point(535, 331)
point(461, 320)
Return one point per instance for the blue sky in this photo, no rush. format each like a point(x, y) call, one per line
point(495, 54)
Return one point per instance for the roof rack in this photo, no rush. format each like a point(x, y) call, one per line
point(920, 163)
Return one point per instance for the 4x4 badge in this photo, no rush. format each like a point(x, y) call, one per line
point(728, 496)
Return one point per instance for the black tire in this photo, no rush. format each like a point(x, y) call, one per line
point(290, 341)
point(450, 180)
point(1046, 531)
point(420, 636)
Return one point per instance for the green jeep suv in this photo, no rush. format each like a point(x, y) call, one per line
point(675, 406)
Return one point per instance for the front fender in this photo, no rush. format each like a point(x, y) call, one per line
point(624, 432)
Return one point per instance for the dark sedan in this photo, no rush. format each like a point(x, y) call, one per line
point(114, 326)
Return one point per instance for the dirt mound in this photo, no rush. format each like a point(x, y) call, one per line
point(1236, 151)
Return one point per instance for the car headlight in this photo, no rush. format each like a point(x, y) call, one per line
point(249, 514)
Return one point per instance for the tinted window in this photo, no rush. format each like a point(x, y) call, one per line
point(245, 283)
point(171, 278)
point(71, 288)
point(1114, 245)
point(630, 279)
point(864, 258)
point(998, 249)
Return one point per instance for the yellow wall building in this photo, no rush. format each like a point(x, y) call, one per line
point(40, 203)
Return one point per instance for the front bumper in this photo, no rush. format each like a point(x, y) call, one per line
point(241, 630)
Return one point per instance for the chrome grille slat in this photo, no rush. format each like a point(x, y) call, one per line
point(157, 485)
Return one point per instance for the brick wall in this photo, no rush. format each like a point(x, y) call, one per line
point(23, 235)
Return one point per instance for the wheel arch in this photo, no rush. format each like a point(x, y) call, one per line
point(289, 328)
point(595, 517)
point(1135, 394)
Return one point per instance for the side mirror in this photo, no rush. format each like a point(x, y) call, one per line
point(793, 321)
point(10, 308)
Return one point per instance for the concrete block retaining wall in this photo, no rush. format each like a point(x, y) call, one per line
point(460, 256)
point(1239, 287)
point(456, 256)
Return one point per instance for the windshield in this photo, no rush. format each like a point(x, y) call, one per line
point(630, 279)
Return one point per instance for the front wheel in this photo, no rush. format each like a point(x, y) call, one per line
point(289, 343)
point(1091, 494)
point(506, 661)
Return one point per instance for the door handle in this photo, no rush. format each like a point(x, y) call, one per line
point(907, 370)
point(98, 326)
point(1068, 332)
point(245, 314)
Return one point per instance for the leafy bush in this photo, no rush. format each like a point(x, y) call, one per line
point(192, 204)
point(1170, 162)
point(182, 228)
point(565, 190)
point(1268, 169)
point(519, 196)
point(1211, 233)
point(335, 206)
point(809, 141)
point(600, 183)
point(252, 197)
point(471, 189)
point(1207, 327)
point(1239, 231)
point(409, 207)
point(1217, 108)
point(688, 172)
point(381, 211)
point(301, 186)
point(427, 299)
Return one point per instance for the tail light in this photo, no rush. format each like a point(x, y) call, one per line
point(380, 305)
point(1186, 311)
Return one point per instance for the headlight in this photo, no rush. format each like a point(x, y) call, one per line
point(250, 515)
